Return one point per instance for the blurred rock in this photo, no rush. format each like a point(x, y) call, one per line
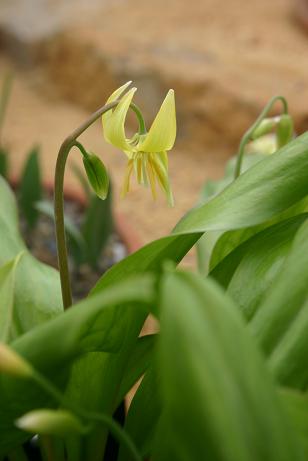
point(224, 59)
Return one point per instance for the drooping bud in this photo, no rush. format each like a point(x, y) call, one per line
point(284, 130)
point(50, 422)
point(13, 364)
point(97, 174)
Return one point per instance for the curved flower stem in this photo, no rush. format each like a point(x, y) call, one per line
point(135, 108)
point(247, 136)
point(64, 150)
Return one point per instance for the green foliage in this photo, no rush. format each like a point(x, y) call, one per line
point(225, 379)
point(218, 376)
point(35, 287)
point(4, 167)
point(97, 227)
point(30, 188)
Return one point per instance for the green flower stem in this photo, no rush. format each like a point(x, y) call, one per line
point(104, 419)
point(116, 430)
point(65, 148)
point(81, 148)
point(142, 128)
point(247, 136)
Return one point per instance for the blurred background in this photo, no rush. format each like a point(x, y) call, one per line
point(224, 60)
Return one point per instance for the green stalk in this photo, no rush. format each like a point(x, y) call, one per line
point(65, 148)
point(247, 136)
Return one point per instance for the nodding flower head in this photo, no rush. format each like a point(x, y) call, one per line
point(146, 151)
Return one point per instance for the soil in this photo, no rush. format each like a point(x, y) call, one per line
point(42, 244)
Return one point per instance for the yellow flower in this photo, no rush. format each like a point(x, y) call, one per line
point(146, 151)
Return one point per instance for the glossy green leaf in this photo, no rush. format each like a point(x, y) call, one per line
point(96, 324)
point(269, 191)
point(266, 189)
point(139, 360)
point(271, 186)
point(249, 271)
point(30, 188)
point(7, 289)
point(281, 322)
point(219, 400)
point(229, 240)
point(4, 163)
point(31, 306)
point(143, 416)
point(211, 188)
point(296, 404)
point(97, 227)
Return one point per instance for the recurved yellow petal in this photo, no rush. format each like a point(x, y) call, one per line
point(113, 126)
point(162, 133)
point(117, 93)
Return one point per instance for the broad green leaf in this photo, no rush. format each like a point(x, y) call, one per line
point(143, 416)
point(96, 324)
point(30, 188)
point(7, 288)
point(228, 241)
point(148, 258)
point(265, 190)
point(10, 242)
point(97, 227)
point(4, 162)
point(269, 187)
point(211, 188)
point(297, 407)
point(219, 400)
point(249, 271)
point(31, 306)
point(281, 321)
point(139, 360)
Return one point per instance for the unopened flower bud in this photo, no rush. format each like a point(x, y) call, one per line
point(13, 364)
point(97, 175)
point(50, 422)
point(284, 130)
